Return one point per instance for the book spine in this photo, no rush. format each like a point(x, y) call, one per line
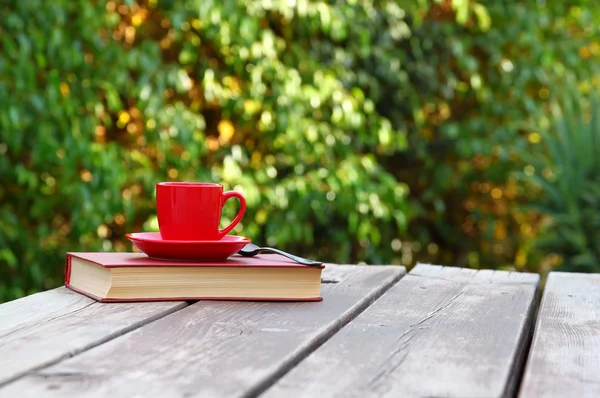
point(68, 269)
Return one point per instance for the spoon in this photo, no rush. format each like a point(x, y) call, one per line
point(251, 250)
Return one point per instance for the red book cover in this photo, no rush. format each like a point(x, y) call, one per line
point(130, 259)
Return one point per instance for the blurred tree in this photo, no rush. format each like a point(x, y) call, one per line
point(375, 131)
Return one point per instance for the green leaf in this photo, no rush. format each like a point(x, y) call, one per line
point(485, 21)
point(462, 10)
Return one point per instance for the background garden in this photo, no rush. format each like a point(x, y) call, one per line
point(456, 132)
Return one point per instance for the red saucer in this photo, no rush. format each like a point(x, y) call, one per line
point(153, 245)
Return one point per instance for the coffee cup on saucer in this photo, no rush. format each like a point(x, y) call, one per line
point(191, 211)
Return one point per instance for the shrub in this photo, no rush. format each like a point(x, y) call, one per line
point(565, 173)
point(359, 131)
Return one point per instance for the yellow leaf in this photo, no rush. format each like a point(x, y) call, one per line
point(124, 117)
point(86, 175)
point(226, 130)
point(64, 89)
point(137, 20)
point(534, 137)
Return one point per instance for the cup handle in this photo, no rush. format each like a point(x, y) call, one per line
point(238, 218)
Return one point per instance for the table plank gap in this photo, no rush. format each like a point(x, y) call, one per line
point(42, 329)
point(311, 345)
point(444, 332)
point(564, 358)
point(525, 341)
point(214, 348)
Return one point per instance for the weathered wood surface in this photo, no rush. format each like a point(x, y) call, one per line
point(439, 332)
point(43, 328)
point(211, 348)
point(38, 308)
point(564, 359)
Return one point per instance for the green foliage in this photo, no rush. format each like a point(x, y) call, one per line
point(566, 174)
point(483, 85)
point(104, 100)
point(376, 131)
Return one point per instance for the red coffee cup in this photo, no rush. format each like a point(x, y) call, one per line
point(192, 210)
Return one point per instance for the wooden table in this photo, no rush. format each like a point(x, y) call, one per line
point(435, 332)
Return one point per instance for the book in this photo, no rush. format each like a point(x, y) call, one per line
point(121, 277)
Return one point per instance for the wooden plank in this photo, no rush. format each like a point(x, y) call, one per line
point(473, 276)
point(565, 355)
point(43, 328)
point(39, 307)
point(439, 332)
point(214, 348)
